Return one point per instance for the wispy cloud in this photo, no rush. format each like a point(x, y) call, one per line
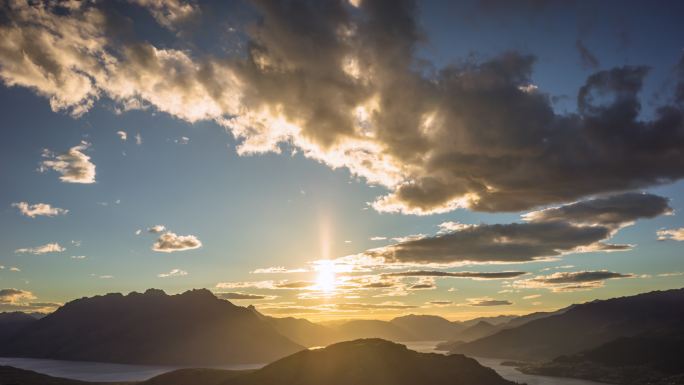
point(173, 273)
point(44, 249)
point(38, 209)
point(570, 281)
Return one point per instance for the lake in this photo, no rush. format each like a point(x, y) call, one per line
point(104, 372)
point(101, 372)
point(507, 372)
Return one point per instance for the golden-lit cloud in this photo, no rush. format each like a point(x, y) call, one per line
point(671, 234)
point(173, 273)
point(170, 242)
point(43, 249)
point(38, 209)
point(74, 165)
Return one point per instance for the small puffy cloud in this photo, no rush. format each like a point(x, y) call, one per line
point(240, 296)
point(377, 238)
point(156, 229)
point(105, 276)
point(488, 302)
point(182, 140)
point(278, 270)
point(73, 165)
point(138, 139)
point(570, 281)
point(78, 257)
point(122, 135)
point(15, 269)
point(44, 249)
point(38, 209)
point(671, 234)
point(170, 242)
point(173, 273)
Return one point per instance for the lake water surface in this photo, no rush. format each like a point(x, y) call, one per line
point(104, 372)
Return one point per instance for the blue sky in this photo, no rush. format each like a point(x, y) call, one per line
point(292, 208)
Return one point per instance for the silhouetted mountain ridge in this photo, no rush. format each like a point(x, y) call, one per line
point(194, 327)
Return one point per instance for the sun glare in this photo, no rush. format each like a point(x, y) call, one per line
point(326, 279)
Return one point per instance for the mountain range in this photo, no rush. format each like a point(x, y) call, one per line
point(582, 327)
point(190, 328)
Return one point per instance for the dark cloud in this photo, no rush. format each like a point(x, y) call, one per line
point(489, 302)
point(344, 86)
point(371, 306)
point(292, 285)
point(240, 296)
point(576, 227)
point(515, 242)
point(571, 281)
point(460, 274)
point(587, 58)
point(614, 210)
point(422, 286)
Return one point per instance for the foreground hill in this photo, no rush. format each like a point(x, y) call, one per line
point(360, 362)
point(655, 357)
point(14, 376)
point(11, 323)
point(193, 328)
point(582, 327)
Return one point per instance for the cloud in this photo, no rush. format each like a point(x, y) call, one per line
point(278, 270)
point(156, 229)
point(372, 306)
point(44, 249)
point(589, 61)
point(340, 85)
point(38, 209)
point(293, 285)
point(671, 234)
point(378, 238)
point(573, 228)
point(273, 285)
point(488, 302)
point(440, 303)
point(570, 281)
point(615, 210)
point(73, 165)
point(173, 273)
point(238, 296)
point(122, 135)
point(533, 296)
point(15, 295)
point(138, 139)
point(422, 286)
point(170, 13)
point(78, 257)
point(20, 300)
point(170, 242)
point(460, 274)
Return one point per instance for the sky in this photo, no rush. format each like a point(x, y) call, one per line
point(342, 159)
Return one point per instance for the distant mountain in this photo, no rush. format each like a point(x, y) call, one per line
point(582, 327)
point(479, 330)
point(360, 362)
point(356, 329)
point(193, 328)
point(11, 323)
point(494, 320)
point(655, 357)
point(301, 331)
point(428, 327)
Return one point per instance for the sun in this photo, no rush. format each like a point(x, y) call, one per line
point(326, 279)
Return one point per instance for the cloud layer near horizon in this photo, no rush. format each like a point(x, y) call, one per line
point(341, 84)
